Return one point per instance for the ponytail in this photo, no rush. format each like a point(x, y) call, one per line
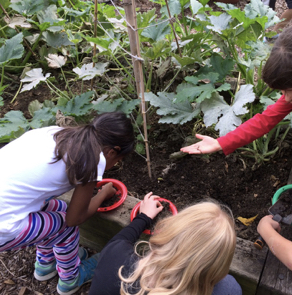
point(80, 147)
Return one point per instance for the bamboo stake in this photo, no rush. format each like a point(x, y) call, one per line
point(95, 33)
point(130, 11)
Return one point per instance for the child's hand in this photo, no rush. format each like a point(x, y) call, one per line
point(267, 224)
point(107, 191)
point(150, 205)
point(207, 145)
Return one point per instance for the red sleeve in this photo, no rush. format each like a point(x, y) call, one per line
point(255, 127)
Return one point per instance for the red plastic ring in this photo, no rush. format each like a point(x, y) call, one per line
point(122, 192)
point(135, 212)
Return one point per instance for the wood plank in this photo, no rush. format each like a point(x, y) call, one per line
point(276, 278)
point(247, 265)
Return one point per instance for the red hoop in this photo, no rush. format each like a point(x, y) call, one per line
point(121, 193)
point(135, 212)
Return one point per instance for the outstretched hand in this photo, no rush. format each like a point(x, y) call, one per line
point(150, 205)
point(207, 145)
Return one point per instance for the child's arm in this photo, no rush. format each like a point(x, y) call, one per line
point(83, 205)
point(282, 248)
point(245, 133)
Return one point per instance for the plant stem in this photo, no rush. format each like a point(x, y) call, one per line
point(2, 76)
point(31, 51)
point(56, 90)
point(16, 94)
point(124, 69)
point(67, 83)
point(171, 81)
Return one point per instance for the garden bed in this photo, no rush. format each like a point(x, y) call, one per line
point(184, 181)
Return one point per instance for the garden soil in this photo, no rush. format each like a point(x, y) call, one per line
point(184, 180)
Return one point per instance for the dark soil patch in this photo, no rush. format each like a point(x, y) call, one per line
point(230, 180)
point(111, 201)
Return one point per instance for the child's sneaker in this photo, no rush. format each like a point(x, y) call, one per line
point(46, 272)
point(86, 272)
point(82, 253)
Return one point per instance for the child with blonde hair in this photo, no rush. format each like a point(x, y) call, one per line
point(189, 253)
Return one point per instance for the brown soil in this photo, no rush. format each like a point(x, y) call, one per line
point(229, 180)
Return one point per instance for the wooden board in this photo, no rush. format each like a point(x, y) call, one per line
point(247, 265)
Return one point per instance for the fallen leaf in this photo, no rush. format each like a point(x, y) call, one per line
point(9, 282)
point(22, 291)
point(247, 221)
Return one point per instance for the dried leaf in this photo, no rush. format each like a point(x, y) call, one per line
point(9, 282)
point(247, 221)
point(22, 291)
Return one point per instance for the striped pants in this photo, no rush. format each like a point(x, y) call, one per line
point(54, 240)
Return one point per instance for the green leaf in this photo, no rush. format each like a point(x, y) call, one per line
point(48, 19)
point(172, 113)
point(57, 39)
point(108, 106)
point(128, 106)
point(204, 2)
point(157, 32)
point(158, 49)
point(221, 65)
point(5, 4)
point(75, 13)
point(185, 60)
point(227, 117)
point(219, 23)
point(79, 105)
point(174, 7)
point(29, 7)
point(195, 6)
point(12, 49)
point(10, 124)
point(102, 44)
point(48, 15)
point(140, 148)
point(119, 104)
point(144, 19)
point(42, 118)
point(193, 92)
point(35, 105)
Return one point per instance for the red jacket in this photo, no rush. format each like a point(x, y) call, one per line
point(255, 127)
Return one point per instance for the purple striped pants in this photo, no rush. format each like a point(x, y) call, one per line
point(54, 240)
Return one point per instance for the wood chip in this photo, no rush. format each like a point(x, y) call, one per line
point(9, 282)
point(22, 291)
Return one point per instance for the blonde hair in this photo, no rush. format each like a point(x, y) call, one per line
point(188, 253)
